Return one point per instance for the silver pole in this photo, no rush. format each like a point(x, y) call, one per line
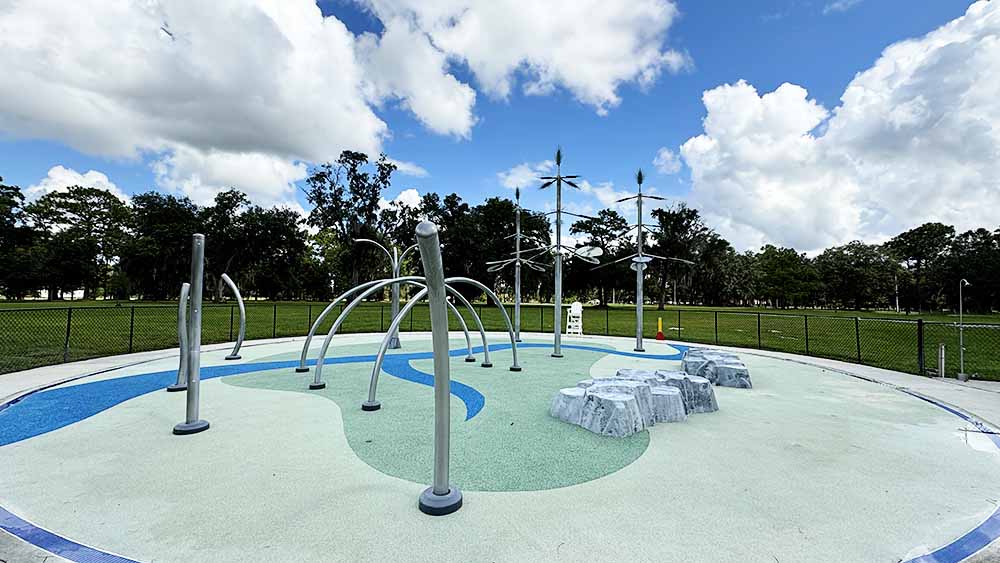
point(941, 360)
point(394, 336)
point(235, 354)
point(557, 314)
point(639, 267)
point(961, 331)
point(517, 268)
point(182, 338)
point(192, 424)
point(441, 498)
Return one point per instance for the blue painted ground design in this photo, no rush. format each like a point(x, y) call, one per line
point(54, 408)
point(50, 409)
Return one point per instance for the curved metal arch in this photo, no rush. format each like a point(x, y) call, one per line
point(375, 286)
point(499, 304)
point(376, 243)
point(372, 404)
point(312, 330)
point(182, 339)
point(235, 354)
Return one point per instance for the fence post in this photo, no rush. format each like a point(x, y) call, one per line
point(274, 321)
point(857, 335)
point(716, 328)
point(231, 322)
point(309, 323)
point(381, 316)
point(805, 318)
point(679, 324)
point(69, 321)
point(607, 320)
point(411, 320)
point(920, 347)
point(131, 329)
point(541, 318)
point(758, 332)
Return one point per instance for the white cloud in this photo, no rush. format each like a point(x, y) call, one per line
point(546, 46)
point(410, 168)
point(916, 138)
point(525, 174)
point(409, 197)
point(59, 178)
point(840, 6)
point(666, 161)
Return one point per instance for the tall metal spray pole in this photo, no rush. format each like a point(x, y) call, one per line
point(517, 266)
point(557, 315)
point(639, 270)
point(192, 424)
point(440, 498)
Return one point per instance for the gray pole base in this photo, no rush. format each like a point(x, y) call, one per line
point(174, 388)
point(439, 505)
point(371, 406)
point(515, 368)
point(557, 355)
point(301, 370)
point(517, 340)
point(486, 365)
point(315, 386)
point(470, 359)
point(394, 343)
point(638, 349)
point(195, 427)
point(232, 357)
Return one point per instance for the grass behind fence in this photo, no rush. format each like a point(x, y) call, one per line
point(33, 337)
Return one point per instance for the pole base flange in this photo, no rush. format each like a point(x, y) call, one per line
point(233, 357)
point(439, 505)
point(195, 427)
point(301, 370)
point(638, 349)
point(470, 359)
point(557, 355)
point(175, 388)
point(515, 368)
point(371, 406)
point(486, 365)
point(394, 343)
point(315, 386)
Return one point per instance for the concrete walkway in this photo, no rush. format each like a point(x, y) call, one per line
point(497, 526)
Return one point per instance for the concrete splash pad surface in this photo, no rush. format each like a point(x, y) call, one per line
point(811, 465)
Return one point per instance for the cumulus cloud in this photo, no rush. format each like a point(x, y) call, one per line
point(915, 138)
point(840, 6)
point(409, 168)
point(59, 178)
point(666, 161)
point(525, 174)
point(409, 197)
point(544, 45)
point(209, 91)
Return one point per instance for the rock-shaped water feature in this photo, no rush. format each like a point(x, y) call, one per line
point(721, 368)
point(632, 401)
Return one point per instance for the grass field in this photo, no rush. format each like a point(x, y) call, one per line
point(35, 333)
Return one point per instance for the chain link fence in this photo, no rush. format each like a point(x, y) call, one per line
point(34, 337)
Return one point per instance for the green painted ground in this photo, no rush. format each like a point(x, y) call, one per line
point(511, 445)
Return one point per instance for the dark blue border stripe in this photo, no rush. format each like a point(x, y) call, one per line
point(44, 539)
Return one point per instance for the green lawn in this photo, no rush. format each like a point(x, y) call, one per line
point(35, 333)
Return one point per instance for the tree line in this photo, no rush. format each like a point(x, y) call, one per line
point(87, 239)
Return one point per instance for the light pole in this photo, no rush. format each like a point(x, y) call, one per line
point(395, 262)
point(517, 261)
point(961, 331)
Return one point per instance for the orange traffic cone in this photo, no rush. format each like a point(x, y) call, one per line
point(659, 329)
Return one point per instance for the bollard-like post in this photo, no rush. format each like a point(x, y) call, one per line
point(441, 498)
point(941, 360)
point(235, 354)
point(192, 424)
point(182, 339)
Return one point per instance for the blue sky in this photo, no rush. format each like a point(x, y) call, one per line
point(818, 45)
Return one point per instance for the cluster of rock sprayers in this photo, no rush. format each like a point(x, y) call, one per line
point(635, 399)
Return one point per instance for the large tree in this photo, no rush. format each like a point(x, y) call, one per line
point(857, 275)
point(156, 259)
point(603, 231)
point(921, 248)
